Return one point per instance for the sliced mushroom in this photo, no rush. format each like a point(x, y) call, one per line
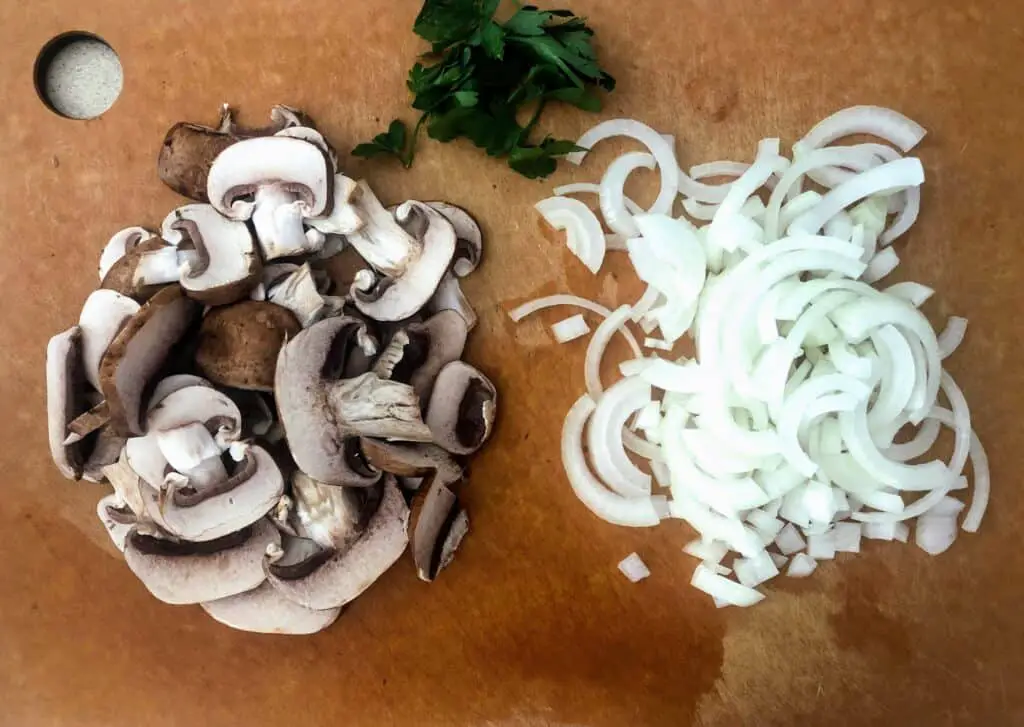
point(449, 296)
point(445, 333)
point(201, 514)
point(400, 296)
point(201, 404)
point(117, 518)
point(105, 451)
point(344, 218)
point(181, 572)
point(85, 424)
point(347, 574)
point(314, 137)
point(299, 293)
point(239, 343)
point(320, 412)
point(332, 516)
point(462, 408)
point(104, 314)
point(121, 276)
point(265, 611)
point(169, 384)
point(411, 460)
point(122, 243)
point(297, 557)
point(138, 351)
point(289, 180)
point(437, 524)
point(127, 484)
point(64, 385)
point(227, 265)
point(469, 243)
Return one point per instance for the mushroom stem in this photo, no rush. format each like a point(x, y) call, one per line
point(382, 242)
point(375, 407)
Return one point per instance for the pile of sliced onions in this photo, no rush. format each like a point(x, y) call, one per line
point(778, 442)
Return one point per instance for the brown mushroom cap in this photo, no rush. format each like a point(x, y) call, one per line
point(138, 352)
point(411, 460)
point(64, 401)
point(462, 408)
point(265, 611)
point(121, 276)
point(180, 573)
point(186, 156)
point(239, 344)
point(347, 574)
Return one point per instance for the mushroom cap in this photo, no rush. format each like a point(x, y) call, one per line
point(104, 314)
point(292, 164)
point(186, 155)
point(138, 352)
point(122, 242)
point(265, 611)
point(305, 366)
point(462, 408)
point(121, 275)
point(348, 573)
point(63, 398)
point(180, 573)
point(228, 266)
point(239, 343)
point(446, 333)
point(401, 297)
point(469, 245)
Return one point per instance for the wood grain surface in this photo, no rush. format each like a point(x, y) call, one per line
point(532, 625)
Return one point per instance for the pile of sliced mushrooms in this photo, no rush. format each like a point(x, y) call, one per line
point(272, 446)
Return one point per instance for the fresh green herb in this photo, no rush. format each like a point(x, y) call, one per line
point(484, 75)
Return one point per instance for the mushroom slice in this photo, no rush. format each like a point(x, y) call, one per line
point(278, 221)
point(445, 336)
point(320, 412)
point(202, 514)
point(169, 384)
point(344, 218)
point(265, 611)
point(117, 518)
point(127, 484)
point(400, 348)
point(347, 574)
point(296, 557)
point(201, 404)
point(314, 137)
point(382, 242)
point(469, 239)
point(293, 166)
point(122, 277)
point(105, 451)
point(400, 297)
point(138, 351)
point(104, 314)
point(187, 154)
point(299, 293)
point(449, 296)
point(226, 267)
point(180, 572)
point(187, 446)
point(63, 398)
point(85, 424)
point(411, 460)
point(239, 343)
point(462, 408)
point(332, 516)
point(437, 526)
point(120, 245)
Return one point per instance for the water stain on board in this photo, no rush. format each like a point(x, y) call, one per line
point(712, 96)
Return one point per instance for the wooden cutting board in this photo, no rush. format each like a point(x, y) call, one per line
point(532, 625)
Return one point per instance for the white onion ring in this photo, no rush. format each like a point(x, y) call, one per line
point(590, 188)
point(894, 127)
point(584, 235)
point(612, 195)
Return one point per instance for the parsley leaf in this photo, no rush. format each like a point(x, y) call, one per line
point(482, 75)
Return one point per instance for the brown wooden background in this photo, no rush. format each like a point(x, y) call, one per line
point(532, 625)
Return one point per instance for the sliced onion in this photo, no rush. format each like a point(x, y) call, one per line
point(599, 342)
point(584, 236)
point(883, 263)
point(550, 301)
point(914, 293)
point(659, 148)
point(725, 590)
point(952, 336)
point(613, 195)
point(718, 169)
point(570, 329)
point(894, 127)
point(591, 188)
point(604, 438)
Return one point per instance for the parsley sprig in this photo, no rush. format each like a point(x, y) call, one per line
point(483, 75)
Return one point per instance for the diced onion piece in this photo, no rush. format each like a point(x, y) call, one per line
point(634, 568)
point(584, 235)
point(846, 536)
point(754, 571)
point(658, 344)
point(570, 329)
point(801, 565)
point(518, 314)
point(637, 512)
point(789, 540)
point(821, 546)
point(934, 534)
point(708, 551)
point(659, 148)
point(723, 589)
